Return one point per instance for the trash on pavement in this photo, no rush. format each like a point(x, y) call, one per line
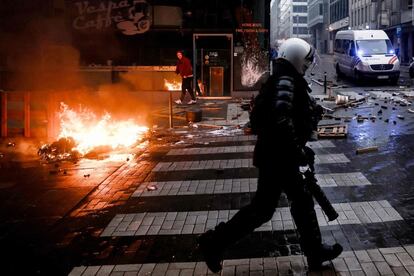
point(332, 131)
point(340, 99)
point(59, 150)
point(401, 117)
point(152, 188)
point(11, 144)
point(366, 150)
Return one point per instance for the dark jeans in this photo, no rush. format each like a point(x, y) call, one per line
point(272, 181)
point(186, 85)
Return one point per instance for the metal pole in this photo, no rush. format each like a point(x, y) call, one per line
point(324, 83)
point(3, 118)
point(171, 109)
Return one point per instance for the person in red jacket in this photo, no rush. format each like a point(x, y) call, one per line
point(185, 69)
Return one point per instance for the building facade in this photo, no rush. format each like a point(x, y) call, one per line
point(224, 39)
point(318, 23)
point(362, 15)
point(274, 22)
point(294, 19)
point(338, 19)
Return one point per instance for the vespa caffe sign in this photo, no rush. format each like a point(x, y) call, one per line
point(130, 17)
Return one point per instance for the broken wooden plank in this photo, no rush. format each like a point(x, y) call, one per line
point(366, 150)
point(332, 131)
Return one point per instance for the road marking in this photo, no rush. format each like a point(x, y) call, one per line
point(236, 149)
point(177, 223)
point(378, 261)
point(235, 163)
point(236, 185)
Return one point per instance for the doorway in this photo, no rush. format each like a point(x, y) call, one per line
point(213, 64)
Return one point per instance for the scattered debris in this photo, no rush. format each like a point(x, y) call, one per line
point(360, 119)
point(351, 103)
point(59, 150)
point(210, 126)
point(366, 150)
point(386, 120)
point(410, 110)
point(401, 117)
point(384, 107)
point(11, 144)
point(332, 131)
point(152, 188)
point(340, 99)
point(86, 175)
point(246, 106)
point(394, 122)
point(379, 111)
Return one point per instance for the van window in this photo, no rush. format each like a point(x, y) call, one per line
point(352, 48)
point(374, 47)
point(345, 46)
point(338, 46)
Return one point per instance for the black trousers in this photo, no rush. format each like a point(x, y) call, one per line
point(187, 85)
point(272, 181)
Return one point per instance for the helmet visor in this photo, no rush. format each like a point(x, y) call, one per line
point(309, 59)
point(313, 65)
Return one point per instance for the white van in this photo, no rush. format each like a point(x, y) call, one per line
point(366, 54)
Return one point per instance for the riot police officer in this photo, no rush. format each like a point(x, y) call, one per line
point(283, 120)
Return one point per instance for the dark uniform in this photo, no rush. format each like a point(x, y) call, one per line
point(283, 122)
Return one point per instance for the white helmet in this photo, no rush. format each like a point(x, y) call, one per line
point(298, 52)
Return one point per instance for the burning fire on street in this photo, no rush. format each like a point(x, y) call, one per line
point(83, 132)
point(172, 85)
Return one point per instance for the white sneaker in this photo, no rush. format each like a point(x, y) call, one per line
point(178, 102)
point(192, 102)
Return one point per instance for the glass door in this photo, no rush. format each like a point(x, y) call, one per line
point(213, 64)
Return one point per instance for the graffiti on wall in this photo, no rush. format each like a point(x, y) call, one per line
point(130, 17)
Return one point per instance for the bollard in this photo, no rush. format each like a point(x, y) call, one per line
point(171, 110)
point(324, 83)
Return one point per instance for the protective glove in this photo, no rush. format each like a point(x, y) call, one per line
point(305, 156)
point(310, 154)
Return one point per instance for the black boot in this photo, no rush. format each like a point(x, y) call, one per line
point(212, 252)
point(323, 254)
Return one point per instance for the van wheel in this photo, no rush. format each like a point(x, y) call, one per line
point(338, 71)
point(411, 72)
point(357, 77)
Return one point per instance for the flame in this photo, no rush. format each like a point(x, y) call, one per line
point(172, 86)
point(90, 132)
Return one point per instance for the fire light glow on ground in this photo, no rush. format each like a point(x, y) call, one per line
point(90, 132)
